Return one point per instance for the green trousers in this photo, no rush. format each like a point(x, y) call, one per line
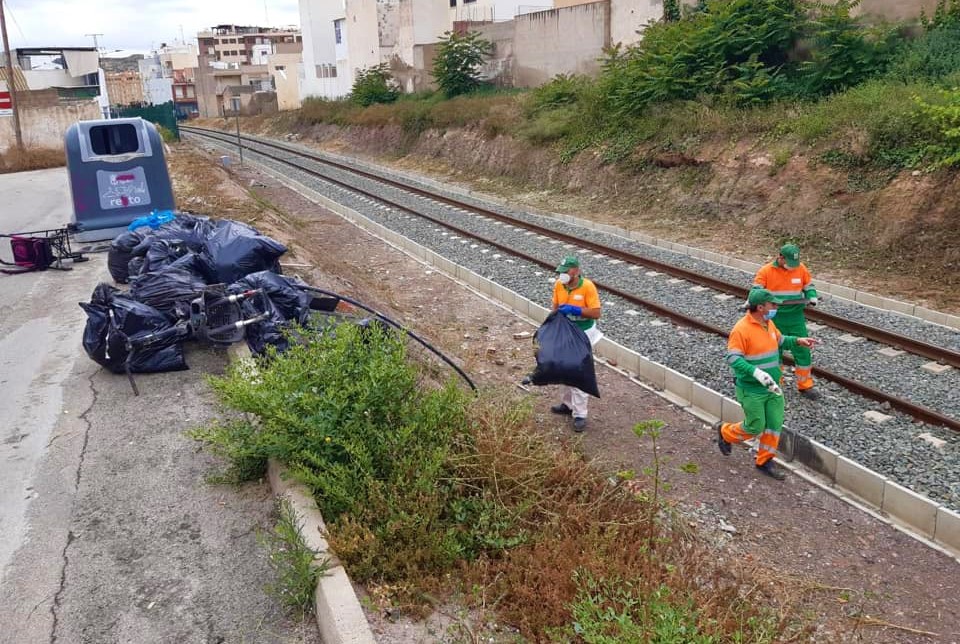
point(796, 326)
point(761, 411)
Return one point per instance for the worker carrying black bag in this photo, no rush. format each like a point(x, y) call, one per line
point(564, 356)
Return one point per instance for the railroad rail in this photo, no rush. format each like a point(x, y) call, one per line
point(883, 336)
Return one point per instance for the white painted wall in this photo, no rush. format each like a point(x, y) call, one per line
point(628, 17)
point(157, 91)
point(363, 46)
point(320, 48)
point(494, 10)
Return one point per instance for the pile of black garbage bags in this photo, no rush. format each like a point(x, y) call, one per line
point(168, 267)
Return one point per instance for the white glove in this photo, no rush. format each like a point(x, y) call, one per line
point(813, 301)
point(767, 381)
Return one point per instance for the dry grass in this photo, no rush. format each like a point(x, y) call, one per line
point(579, 522)
point(14, 160)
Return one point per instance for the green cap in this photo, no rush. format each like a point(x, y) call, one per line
point(570, 261)
point(791, 255)
point(762, 296)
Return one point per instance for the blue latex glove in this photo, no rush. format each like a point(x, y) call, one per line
point(569, 309)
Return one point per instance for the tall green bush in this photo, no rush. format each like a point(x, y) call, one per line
point(945, 117)
point(456, 67)
point(844, 53)
point(374, 85)
point(343, 410)
point(748, 52)
point(934, 56)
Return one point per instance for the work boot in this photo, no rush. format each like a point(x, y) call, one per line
point(561, 409)
point(725, 447)
point(772, 470)
point(579, 424)
point(810, 394)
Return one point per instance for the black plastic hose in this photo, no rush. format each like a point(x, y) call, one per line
point(381, 316)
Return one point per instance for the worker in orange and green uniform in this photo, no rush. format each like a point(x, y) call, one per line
point(787, 278)
point(576, 297)
point(753, 352)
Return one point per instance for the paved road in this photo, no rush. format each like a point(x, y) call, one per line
point(108, 529)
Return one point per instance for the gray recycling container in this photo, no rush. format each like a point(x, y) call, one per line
point(117, 173)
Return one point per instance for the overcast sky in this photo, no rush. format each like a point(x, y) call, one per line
point(134, 24)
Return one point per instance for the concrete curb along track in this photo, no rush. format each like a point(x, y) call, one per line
point(340, 618)
point(930, 522)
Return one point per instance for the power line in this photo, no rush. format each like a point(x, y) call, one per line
point(17, 24)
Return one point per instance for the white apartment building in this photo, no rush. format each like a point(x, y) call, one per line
point(341, 37)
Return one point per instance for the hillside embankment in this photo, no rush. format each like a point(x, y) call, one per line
point(893, 233)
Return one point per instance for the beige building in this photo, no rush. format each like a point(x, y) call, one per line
point(235, 56)
point(284, 70)
point(124, 88)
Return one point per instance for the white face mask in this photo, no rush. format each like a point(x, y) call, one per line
point(564, 278)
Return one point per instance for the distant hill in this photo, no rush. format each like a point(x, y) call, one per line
point(125, 64)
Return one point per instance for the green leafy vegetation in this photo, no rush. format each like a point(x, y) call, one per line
point(424, 488)
point(456, 67)
point(796, 74)
point(295, 566)
point(374, 85)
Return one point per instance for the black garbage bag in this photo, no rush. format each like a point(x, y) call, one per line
point(120, 254)
point(291, 301)
point(284, 301)
point(235, 250)
point(564, 356)
point(190, 229)
point(156, 343)
point(169, 290)
point(135, 267)
point(163, 252)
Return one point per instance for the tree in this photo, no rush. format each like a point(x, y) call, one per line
point(671, 10)
point(374, 85)
point(456, 67)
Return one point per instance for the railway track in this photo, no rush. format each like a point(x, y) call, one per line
point(277, 152)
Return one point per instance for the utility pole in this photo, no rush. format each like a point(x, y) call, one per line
point(96, 44)
point(11, 80)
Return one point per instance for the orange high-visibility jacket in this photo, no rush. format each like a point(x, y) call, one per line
point(753, 345)
point(792, 284)
point(584, 295)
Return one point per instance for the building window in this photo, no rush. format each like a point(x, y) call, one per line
point(281, 68)
point(338, 31)
point(326, 71)
point(453, 3)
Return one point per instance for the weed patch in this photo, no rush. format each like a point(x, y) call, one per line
point(424, 489)
point(294, 564)
point(15, 160)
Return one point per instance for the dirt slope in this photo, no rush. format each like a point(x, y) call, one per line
point(895, 235)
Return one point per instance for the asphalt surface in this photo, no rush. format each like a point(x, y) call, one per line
point(109, 531)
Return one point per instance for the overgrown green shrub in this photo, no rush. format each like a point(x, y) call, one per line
point(374, 85)
point(934, 56)
point(344, 412)
point(945, 117)
point(843, 53)
point(456, 67)
point(748, 51)
point(701, 53)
